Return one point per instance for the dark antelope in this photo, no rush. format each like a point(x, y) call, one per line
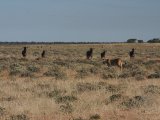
point(24, 52)
point(103, 54)
point(132, 53)
point(89, 54)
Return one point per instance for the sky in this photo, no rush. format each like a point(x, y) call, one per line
point(79, 20)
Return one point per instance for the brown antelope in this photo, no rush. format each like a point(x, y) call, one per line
point(114, 62)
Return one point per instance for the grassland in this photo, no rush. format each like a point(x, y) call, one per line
point(66, 86)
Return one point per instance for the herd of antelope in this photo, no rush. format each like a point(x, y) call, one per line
point(89, 54)
point(110, 62)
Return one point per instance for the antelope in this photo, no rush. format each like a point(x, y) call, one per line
point(114, 62)
point(103, 54)
point(89, 54)
point(43, 54)
point(132, 53)
point(24, 52)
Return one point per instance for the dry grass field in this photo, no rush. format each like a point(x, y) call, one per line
point(66, 86)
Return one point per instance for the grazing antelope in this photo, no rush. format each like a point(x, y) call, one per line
point(24, 52)
point(89, 54)
point(43, 54)
point(114, 62)
point(132, 53)
point(103, 54)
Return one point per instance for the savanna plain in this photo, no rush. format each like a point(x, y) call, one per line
point(66, 86)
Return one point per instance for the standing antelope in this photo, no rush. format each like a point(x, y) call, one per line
point(43, 54)
point(132, 53)
point(89, 54)
point(103, 54)
point(24, 52)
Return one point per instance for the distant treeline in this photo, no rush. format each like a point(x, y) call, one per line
point(133, 40)
point(15, 43)
point(154, 40)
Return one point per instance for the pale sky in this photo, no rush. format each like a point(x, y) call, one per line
point(79, 20)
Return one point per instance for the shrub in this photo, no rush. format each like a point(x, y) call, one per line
point(56, 93)
point(82, 87)
point(57, 73)
point(78, 118)
point(19, 117)
point(134, 70)
point(82, 73)
point(134, 102)
point(32, 68)
point(26, 74)
point(153, 89)
point(66, 108)
point(1, 68)
point(94, 70)
point(115, 88)
point(109, 73)
point(139, 77)
point(66, 99)
point(154, 75)
point(59, 96)
point(16, 69)
point(115, 97)
point(2, 111)
point(95, 117)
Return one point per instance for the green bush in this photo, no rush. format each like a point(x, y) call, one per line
point(33, 68)
point(16, 69)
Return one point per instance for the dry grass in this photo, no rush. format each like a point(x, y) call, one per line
point(66, 86)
